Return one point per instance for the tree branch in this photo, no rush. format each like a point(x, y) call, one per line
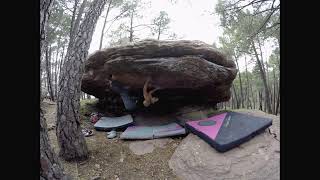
point(65, 7)
point(276, 8)
point(263, 24)
point(239, 8)
point(143, 28)
point(113, 20)
point(143, 25)
point(275, 24)
point(235, 3)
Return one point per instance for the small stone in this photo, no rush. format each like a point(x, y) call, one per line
point(97, 166)
point(122, 156)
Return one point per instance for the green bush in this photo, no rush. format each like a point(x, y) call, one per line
point(87, 106)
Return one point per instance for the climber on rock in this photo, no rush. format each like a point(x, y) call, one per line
point(148, 99)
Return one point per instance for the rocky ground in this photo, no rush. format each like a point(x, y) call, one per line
point(173, 158)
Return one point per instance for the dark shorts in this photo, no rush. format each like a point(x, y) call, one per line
point(130, 102)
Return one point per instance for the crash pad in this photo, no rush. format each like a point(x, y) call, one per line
point(152, 132)
point(228, 130)
point(109, 123)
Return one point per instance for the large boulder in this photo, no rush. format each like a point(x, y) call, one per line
point(186, 71)
point(258, 158)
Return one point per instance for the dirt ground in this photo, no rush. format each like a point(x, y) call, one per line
point(112, 158)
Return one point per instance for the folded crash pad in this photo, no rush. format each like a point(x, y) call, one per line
point(109, 123)
point(152, 132)
point(228, 130)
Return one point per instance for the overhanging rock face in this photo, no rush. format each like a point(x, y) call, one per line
point(186, 71)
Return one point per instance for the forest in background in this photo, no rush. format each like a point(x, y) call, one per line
point(247, 27)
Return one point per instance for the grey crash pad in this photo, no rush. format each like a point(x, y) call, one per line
point(109, 123)
point(152, 132)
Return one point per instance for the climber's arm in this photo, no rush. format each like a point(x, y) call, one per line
point(145, 89)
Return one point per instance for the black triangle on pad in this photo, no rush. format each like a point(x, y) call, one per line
point(228, 130)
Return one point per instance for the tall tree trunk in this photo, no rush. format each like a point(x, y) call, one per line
point(55, 76)
point(104, 24)
point(61, 61)
point(274, 91)
point(278, 101)
point(264, 104)
point(159, 32)
point(59, 68)
point(56, 80)
point(48, 67)
point(41, 74)
point(261, 56)
point(236, 97)
point(232, 100)
point(248, 85)
point(253, 99)
point(260, 100)
point(76, 24)
point(45, 7)
point(50, 167)
point(266, 72)
point(269, 82)
point(74, 13)
point(45, 85)
point(263, 76)
point(131, 28)
point(51, 71)
point(71, 140)
point(56, 68)
point(241, 91)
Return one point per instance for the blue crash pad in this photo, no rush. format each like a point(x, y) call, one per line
point(109, 123)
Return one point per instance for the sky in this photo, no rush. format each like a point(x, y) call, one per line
point(190, 20)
